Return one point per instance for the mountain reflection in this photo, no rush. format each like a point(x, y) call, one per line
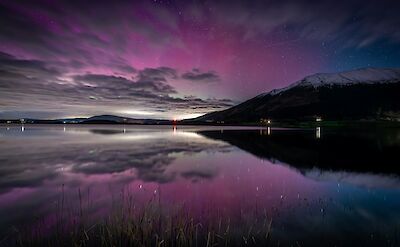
point(361, 157)
point(337, 150)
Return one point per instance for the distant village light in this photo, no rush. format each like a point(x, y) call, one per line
point(265, 121)
point(318, 119)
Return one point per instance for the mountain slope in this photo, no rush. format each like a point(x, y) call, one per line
point(363, 93)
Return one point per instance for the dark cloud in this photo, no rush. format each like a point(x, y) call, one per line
point(159, 74)
point(128, 69)
point(31, 69)
point(5, 56)
point(199, 76)
point(120, 86)
point(27, 87)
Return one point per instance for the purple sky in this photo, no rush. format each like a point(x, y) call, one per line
point(178, 59)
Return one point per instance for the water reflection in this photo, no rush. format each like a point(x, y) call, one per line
point(309, 184)
point(99, 151)
point(358, 151)
point(265, 132)
point(318, 132)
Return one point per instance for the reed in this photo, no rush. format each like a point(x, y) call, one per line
point(130, 224)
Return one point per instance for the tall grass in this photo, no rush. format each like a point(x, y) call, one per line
point(131, 224)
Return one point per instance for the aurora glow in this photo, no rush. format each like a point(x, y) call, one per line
point(178, 59)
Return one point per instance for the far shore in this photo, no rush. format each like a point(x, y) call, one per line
point(272, 124)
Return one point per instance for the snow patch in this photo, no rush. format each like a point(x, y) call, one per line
point(360, 76)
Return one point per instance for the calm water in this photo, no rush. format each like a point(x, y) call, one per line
point(317, 186)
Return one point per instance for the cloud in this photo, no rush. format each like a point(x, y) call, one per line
point(116, 86)
point(27, 87)
point(5, 56)
point(112, 36)
point(197, 76)
point(30, 69)
point(159, 74)
point(104, 35)
point(348, 23)
point(127, 69)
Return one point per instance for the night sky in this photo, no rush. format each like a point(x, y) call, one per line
point(178, 59)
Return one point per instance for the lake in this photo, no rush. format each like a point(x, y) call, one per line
point(257, 186)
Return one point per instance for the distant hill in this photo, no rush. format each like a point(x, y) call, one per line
point(122, 120)
point(101, 119)
point(369, 93)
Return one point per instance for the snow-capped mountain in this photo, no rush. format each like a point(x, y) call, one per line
point(367, 75)
point(358, 94)
point(364, 76)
